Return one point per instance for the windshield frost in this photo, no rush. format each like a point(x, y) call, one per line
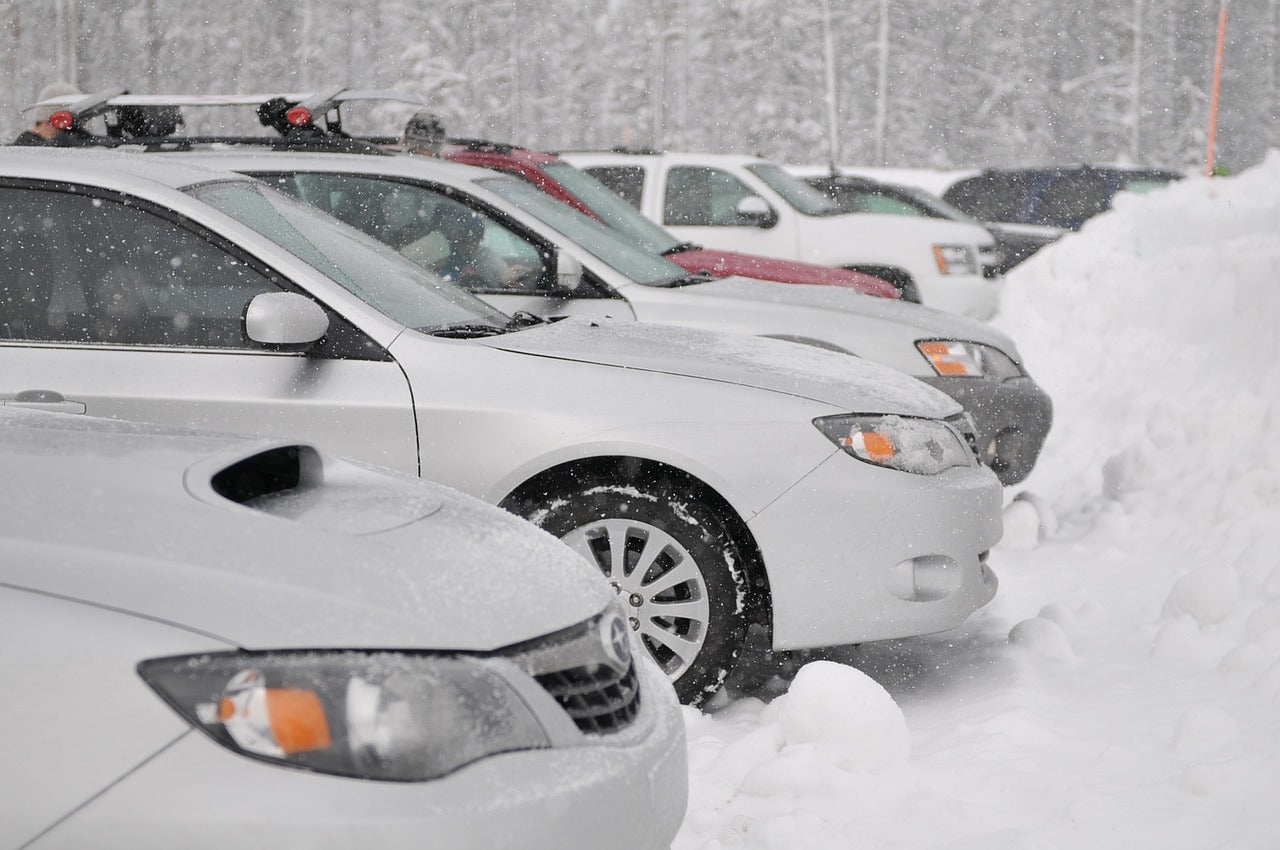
point(399, 289)
point(601, 242)
point(794, 191)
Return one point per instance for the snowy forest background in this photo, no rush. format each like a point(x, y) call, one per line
point(929, 83)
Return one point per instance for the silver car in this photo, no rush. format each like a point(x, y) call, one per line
point(224, 642)
point(716, 480)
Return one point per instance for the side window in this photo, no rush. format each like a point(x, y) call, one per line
point(624, 180)
point(1072, 198)
point(426, 225)
point(93, 270)
point(990, 197)
point(703, 197)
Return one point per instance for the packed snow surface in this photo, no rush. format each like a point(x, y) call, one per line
point(1123, 689)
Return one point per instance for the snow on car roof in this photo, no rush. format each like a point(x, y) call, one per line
point(106, 169)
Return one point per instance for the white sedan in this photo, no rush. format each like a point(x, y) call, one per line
point(716, 480)
point(225, 642)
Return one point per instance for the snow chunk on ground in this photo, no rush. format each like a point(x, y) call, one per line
point(1043, 638)
point(847, 711)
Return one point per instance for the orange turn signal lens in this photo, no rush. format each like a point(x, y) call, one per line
point(949, 358)
point(297, 720)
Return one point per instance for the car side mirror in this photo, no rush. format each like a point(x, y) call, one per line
point(755, 211)
point(568, 272)
point(285, 320)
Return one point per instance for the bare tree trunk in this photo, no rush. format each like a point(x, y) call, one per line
point(1135, 87)
point(829, 66)
point(153, 45)
point(882, 84)
point(658, 95)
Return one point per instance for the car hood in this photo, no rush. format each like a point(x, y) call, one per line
point(844, 382)
point(857, 318)
point(727, 263)
point(129, 518)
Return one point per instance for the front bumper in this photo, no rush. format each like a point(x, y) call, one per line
point(856, 552)
point(1013, 418)
point(627, 793)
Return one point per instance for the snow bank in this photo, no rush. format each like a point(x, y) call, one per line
point(1122, 689)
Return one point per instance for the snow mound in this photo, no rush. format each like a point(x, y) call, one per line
point(847, 711)
point(1043, 638)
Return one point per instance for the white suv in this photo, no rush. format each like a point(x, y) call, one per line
point(744, 203)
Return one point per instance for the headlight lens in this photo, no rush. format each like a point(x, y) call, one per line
point(950, 358)
point(955, 259)
point(372, 715)
point(904, 443)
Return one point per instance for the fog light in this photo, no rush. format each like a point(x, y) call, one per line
point(924, 579)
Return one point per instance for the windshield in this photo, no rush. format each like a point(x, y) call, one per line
point(611, 208)
point(606, 245)
point(380, 277)
point(939, 207)
point(799, 194)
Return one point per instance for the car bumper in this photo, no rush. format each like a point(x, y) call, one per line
point(1012, 417)
point(855, 552)
point(974, 296)
point(194, 793)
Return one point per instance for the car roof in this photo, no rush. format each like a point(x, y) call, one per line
point(621, 156)
point(104, 169)
point(399, 165)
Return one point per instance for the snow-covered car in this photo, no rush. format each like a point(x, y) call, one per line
point(744, 203)
point(586, 194)
point(715, 479)
point(213, 641)
point(416, 204)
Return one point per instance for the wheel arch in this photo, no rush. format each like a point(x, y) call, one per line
point(631, 469)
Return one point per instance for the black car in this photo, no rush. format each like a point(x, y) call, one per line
point(1062, 198)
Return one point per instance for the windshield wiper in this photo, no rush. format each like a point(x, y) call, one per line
point(684, 280)
point(681, 247)
point(466, 330)
point(524, 319)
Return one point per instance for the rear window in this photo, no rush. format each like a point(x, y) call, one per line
point(624, 180)
point(990, 197)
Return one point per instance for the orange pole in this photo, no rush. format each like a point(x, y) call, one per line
point(1217, 89)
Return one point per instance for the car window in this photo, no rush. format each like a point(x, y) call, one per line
point(1142, 185)
point(435, 231)
point(703, 197)
point(399, 289)
point(610, 208)
point(624, 180)
point(85, 269)
point(602, 242)
point(991, 197)
point(857, 199)
point(800, 195)
point(1072, 198)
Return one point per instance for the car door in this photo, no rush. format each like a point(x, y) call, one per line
point(113, 307)
point(467, 244)
point(702, 204)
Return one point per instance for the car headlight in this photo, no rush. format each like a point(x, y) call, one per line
point(951, 358)
point(373, 715)
point(904, 443)
point(955, 259)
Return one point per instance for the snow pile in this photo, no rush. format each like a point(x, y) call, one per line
point(1122, 689)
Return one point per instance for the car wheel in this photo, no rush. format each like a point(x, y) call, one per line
point(675, 566)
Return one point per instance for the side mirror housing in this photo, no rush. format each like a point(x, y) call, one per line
point(285, 320)
point(755, 211)
point(568, 272)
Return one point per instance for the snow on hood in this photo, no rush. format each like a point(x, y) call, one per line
point(861, 314)
point(99, 512)
point(847, 383)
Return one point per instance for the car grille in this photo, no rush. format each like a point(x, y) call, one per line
point(599, 699)
point(573, 668)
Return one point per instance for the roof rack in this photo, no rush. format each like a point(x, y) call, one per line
point(482, 145)
point(309, 121)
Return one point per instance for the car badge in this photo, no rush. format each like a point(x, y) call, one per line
point(616, 642)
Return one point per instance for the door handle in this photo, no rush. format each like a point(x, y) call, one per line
point(44, 400)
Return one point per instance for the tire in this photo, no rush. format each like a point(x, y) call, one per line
point(693, 568)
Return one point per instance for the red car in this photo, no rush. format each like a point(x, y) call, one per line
point(588, 195)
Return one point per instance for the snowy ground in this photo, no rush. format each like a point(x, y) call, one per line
point(1122, 689)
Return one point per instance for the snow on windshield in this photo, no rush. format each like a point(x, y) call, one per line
point(1121, 690)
